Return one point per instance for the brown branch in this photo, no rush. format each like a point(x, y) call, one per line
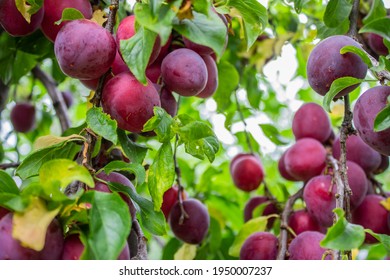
point(56, 97)
point(4, 166)
point(283, 237)
point(142, 252)
point(353, 19)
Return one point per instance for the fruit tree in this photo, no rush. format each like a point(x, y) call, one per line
point(194, 129)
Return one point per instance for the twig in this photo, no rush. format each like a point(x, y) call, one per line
point(142, 252)
point(353, 19)
point(284, 223)
point(57, 98)
point(4, 166)
point(248, 141)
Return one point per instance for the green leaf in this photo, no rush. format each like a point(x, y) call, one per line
point(161, 123)
point(133, 151)
point(69, 14)
point(7, 184)
point(384, 239)
point(384, 64)
point(255, 18)
point(136, 52)
point(382, 120)
point(205, 30)
point(337, 86)
point(153, 221)
point(161, 174)
point(61, 172)
point(135, 168)
point(201, 6)
point(14, 202)
point(360, 52)
point(109, 225)
point(377, 10)
point(273, 134)
point(186, 252)
point(250, 82)
point(102, 124)
point(33, 162)
point(252, 226)
point(337, 11)
point(343, 235)
point(157, 18)
point(50, 140)
point(325, 31)
point(22, 65)
point(228, 78)
point(379, 26)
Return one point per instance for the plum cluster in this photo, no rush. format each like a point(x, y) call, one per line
point(188, 218)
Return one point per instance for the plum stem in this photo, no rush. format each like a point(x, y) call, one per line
point(55, 95)
point(248, 141)
point(284, 223)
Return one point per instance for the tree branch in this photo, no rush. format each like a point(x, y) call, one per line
point(142, 252)
point(284, 223)
point(4, 166)
point(353, 19)
point(56, 97)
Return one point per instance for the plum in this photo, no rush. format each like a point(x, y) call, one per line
point(14, 23)
point(170, 197)
point(368, 105)
point(372, 215)
point(23, 117)
point(11, 249)
point(126, 30)
point(359, 152)
point(119, 66)
point(116, 177)
point(319, 196)
point(326, 64)
point(306, 246)
point(305, 159)
point(153, 72)
point(84, 49)
point(194, 228)
point(3, 212)
point(168, 101)
point(212, 77)
point(255, 201)
point(53, 13)
point(94, 83)
point(375, 42)
point(247, 172)
point(129, 102)
point(311, 121)
point(260, 246)
point(184, 72)
point(73, 249)
point(383, 165)
point(282, 169)
point(300, 221)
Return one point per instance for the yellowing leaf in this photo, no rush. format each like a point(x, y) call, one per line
point(30, 227)
point(23, 8)
point(386, 203)
point(337, 111)
point(50, 140)
point(99, 17)
point(186, 252)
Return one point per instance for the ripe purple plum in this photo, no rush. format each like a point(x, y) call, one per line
point(383, 165)
point(84, 49)
point(282, 169)
point(170, 197)
point(260, 246)
point(375, 42)
point(212, 77)
point(305, 159)
point(129, 102)
point(184, 72)
point(194, 228)
point(306, 246)
point(311, 121)
point(119, 66)
point(153, 72)
point(256, 201)
point(53, 13)
point(368, 105)
point(11, 249)
point(326, 64)
point(3, 212)
point(372, 215)
point(247, 172)
point(23, 117)
point(358, 152)
point(73, 249)
point(94, 83)
point(126, 30)
point(68, 98)
point(319, 196)
point(300, 221)
point(168, 101)
point(116, 177)
point(14, 23)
